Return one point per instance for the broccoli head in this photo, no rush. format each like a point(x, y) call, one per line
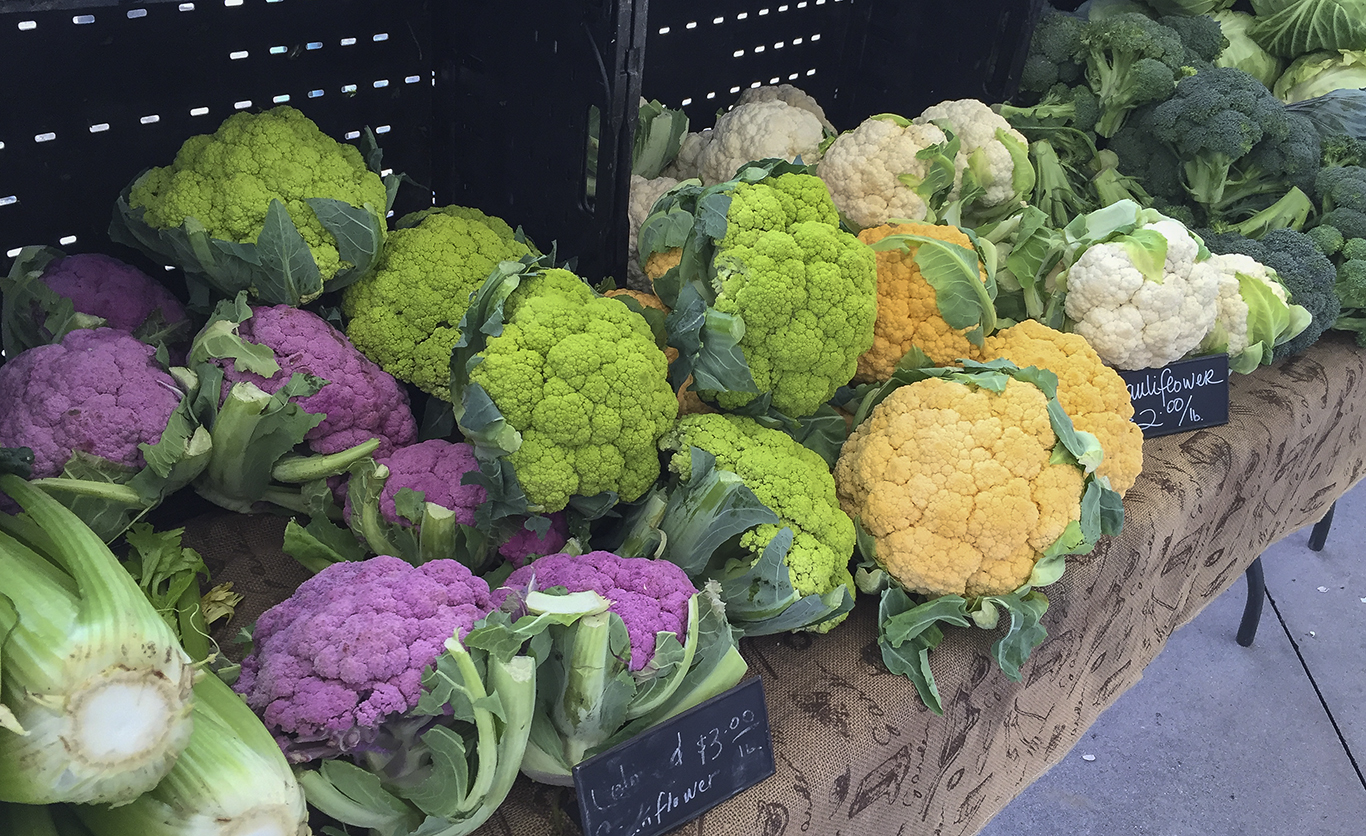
point(1235, 142)
point(1062, 106)
point(1201, 36)
point(1054, 52)
point(1304, 270)
point(1327, 238)
point(1342, 187)
point(1130, 60)
point(1351, 282)
point(1350, 222)
point(1340, 150)
point(406, 316)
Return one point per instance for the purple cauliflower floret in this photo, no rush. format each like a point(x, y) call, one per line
point(651, 596)
point(361, 400)
point(436, 468)
point(99, 391)
point(120, 294)
point(346, 651)
point(527, 544)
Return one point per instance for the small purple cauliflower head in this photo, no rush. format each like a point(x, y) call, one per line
point(99, 391)
point(346, 651)
point(526, 544)
point(361, 400)
point(436, 468)
point(651, 596)
point(120, 294)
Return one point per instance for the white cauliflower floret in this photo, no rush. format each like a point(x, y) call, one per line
point(996, 152)
point(864, 170)
point(685, 165)
point(1138, 321)
point(644, 193)
point(759, 131)
point(787, 93)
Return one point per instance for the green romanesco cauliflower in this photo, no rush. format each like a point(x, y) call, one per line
point(806, 290)
point(580, 377)
point(226, 181)
point(794, 482)
point(406, 317)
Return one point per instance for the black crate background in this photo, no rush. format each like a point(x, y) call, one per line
point(485, 103)
point(96, 92)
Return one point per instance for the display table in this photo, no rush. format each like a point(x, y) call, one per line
point(856, 751)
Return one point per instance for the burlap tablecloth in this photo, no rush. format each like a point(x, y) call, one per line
point(858, 754)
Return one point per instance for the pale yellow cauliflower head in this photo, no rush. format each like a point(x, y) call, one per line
point(863, 169)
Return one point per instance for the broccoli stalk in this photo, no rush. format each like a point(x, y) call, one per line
point(1054, 185)
point(1290, 212)
point(1130, 60)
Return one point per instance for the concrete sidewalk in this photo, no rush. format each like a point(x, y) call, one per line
point(1221, 740)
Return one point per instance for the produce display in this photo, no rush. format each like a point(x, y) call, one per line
point(541, 509)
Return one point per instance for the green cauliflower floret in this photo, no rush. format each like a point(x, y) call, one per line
point(793, 481)
point(805, 289)
point(226, 181)
point(580, 377)
point(406, 317)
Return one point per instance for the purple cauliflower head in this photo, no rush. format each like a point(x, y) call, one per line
point(120, 294)
point(361, 400)
point(651, 596)
point(346, 651)
point(99, 391)
point(436, 468)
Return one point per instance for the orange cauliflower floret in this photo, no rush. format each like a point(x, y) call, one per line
point(1092, 394)
point(956, 486)
point(907, 314)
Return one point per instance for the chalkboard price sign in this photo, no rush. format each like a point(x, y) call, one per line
point(1186, 395)
point(678, 770)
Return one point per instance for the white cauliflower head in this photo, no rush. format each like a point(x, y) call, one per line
point(996, 152)
point(1254, 312)
point(684, 166)
point(1137, 311)
point(758, 131)
point(787, 93)
point(870, 170)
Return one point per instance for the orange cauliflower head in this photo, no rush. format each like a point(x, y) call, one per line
point(1091, 393)
point(907, 313)
point(955, 484)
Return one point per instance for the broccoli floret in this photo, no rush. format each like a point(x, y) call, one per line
point(1151, 162)
point(1340, 150)
point(1304, 270)
point(1062, 106)
point(1350, 222)
point(1201, 35)
point(1342, 187)
point(1130, 60)
point(1354, 249)
point(1327, 238)
point(1351, 283)
point(1053, 52)
point(1236, 142)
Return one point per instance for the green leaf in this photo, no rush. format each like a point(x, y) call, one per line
point(359, 232)
point(219, 340)
point(910, 657)
point(707, 510)
point(665, 230)
point(1024, 633)
point(708, 344)
point(711, 214)
point(1147, 250)
point(448, 782)
point(290, 274)
point(320, 544)
point(1291, 28)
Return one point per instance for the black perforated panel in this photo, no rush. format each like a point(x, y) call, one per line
point(96, 92)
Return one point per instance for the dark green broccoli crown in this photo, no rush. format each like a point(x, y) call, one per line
point(1340, 149)
point(1327, 238)
point(1129, 37)
point(1202, 37)
point(1342, 187)
point(1205, 103)
point(1354, 249)
point(1304, 270)
point(1057, 37)
point(1143, 157)
point(1350, 222)
point(1292, 157)
point(1351, 284)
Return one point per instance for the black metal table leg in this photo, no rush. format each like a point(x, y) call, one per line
point(1252, 611)
point(1319, 535)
